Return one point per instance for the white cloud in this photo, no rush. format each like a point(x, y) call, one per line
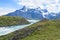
point(4, 11)
point(51, 5)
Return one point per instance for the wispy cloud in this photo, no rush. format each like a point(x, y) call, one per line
point(4, 11)
point(51, 5)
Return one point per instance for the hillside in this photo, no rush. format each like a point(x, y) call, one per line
point(43, 30)
point(11, 21)
point(50, 30)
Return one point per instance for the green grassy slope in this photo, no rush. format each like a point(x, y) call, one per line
point(47, 30)
point(9, 21)
point(50, 30)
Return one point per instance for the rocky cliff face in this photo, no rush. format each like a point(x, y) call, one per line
point(36, 13)
point(27, 13)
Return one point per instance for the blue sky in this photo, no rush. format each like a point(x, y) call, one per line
point(7, 6)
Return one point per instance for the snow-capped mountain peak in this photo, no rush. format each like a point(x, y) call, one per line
point(36, 13)
point(24, 9)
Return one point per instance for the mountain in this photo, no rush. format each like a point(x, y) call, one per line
point(53, 16)
point(37, 13)
point(27, 13)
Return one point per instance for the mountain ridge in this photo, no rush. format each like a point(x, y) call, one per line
point(38, 13)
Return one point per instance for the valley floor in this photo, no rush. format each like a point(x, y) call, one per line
point(43, 30)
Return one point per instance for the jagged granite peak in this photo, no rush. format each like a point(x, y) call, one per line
point(29, 14)
point(37, 13)
point(24, 9)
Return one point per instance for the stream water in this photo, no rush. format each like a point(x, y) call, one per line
point(6, 30)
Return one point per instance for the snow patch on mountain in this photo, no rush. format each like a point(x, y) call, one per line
point(50, 5)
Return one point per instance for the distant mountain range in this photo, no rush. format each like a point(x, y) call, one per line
point(53, 16)
point(37, 13)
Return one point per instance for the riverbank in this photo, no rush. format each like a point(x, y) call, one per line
point(43, 30)
point(19, 33)
point(7, 30)
point(6, 21)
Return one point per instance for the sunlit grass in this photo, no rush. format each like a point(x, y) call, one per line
point(11, 21)
point(48, 30)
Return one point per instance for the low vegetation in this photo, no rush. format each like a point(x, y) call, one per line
point(43, 30)
point(11, 21)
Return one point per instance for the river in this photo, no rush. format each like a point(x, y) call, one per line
point(6, 30)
